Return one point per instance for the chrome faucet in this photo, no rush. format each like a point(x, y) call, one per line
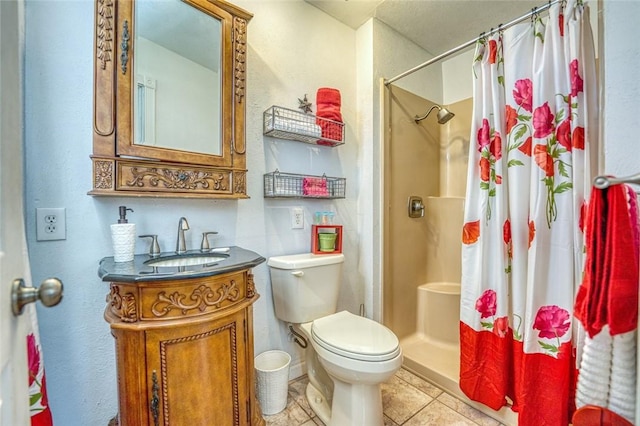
point(183, 225)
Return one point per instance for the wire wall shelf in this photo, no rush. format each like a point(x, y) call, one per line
point(291, 185)
point(285, 123)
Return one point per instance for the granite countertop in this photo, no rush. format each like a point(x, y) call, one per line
point(235, 259)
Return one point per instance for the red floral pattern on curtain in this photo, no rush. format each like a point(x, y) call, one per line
point(522, 239)
point(38, 401)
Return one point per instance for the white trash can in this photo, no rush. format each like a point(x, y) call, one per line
point(272, 380)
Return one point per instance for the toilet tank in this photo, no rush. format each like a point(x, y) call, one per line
point(305, 286)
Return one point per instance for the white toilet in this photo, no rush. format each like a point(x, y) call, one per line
point(355, 354)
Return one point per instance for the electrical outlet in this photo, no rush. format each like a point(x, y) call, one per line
point(51, 224)
point(297, 218)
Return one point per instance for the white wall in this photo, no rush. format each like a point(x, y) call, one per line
point(367, 177)
point(293, 50)
point(394, 54)
point(621, 62)
point(620, 96)
point(457, 78)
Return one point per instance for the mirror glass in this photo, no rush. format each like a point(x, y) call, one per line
point(177, 65)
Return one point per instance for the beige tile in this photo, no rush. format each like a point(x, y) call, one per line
point(438, 414)
point(419, 383)
point(467, 411)
point(389, 422)
point(298, 391)
point(400, 400)
point(408, 400)
point(292, 415)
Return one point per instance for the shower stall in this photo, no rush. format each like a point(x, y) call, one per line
point(425, 156)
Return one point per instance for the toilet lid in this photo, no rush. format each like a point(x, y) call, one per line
point(355, 337)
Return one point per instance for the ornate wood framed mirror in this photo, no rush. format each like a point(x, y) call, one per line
point(169, 88)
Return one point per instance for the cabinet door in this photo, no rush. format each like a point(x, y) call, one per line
point(197, 373)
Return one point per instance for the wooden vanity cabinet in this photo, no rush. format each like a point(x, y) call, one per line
point(184, 351)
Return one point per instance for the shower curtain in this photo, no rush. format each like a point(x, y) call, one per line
point(534, 123)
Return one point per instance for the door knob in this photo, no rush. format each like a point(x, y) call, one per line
point(49, 293)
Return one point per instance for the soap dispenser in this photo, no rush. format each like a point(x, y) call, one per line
point(123, 235)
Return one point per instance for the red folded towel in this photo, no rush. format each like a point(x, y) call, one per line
point(328, 103)
point(609, 290)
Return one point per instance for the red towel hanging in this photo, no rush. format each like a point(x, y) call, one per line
point(609, 290)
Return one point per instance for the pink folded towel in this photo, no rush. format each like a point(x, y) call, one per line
point(315, 187)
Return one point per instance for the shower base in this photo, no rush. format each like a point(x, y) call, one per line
point(433, 361)
point(433, 351)
point(439, 365)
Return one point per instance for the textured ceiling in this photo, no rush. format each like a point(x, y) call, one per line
point(435, 25)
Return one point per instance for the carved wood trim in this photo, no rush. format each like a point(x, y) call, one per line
point(239, 182)
point(251, 286)
point(231, 327)
point(103, 174)
point(202, 297)
point(104, 32)
point(104, 81)
point(123, 306)
point(140, 178)
point(185, 178)
point(172, 178)
point(240, 45)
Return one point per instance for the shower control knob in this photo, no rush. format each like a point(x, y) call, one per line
point(415, 207)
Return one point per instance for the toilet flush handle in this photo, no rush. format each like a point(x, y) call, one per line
point(297, 273)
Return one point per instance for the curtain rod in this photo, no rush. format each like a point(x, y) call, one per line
point(463, 46)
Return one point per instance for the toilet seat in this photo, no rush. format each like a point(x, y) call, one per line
point(355, 337)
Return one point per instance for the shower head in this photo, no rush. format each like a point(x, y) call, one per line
point(444, 115)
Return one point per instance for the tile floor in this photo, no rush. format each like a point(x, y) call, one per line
point(407, 400)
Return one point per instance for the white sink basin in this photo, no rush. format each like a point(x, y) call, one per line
point(194, 260)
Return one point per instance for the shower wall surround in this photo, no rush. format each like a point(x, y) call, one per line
point(411, 168)
point(427, 160)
